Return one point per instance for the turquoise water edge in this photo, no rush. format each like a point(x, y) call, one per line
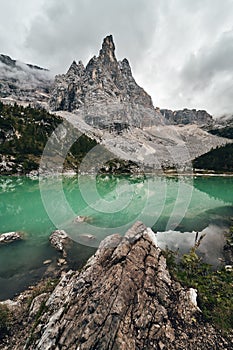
point(172, 206)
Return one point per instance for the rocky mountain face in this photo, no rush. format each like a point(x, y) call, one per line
point(105, 92)
point(103, 101)
point(123, 298)
point(187, 116)
point(23, 82)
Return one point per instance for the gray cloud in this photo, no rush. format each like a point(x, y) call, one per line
point(204, 66)
point(25, 76)
point(180, 50)
point(191, 63)
point(208, 75)
point(74, 29)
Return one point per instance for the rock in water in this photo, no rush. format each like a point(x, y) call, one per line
point(59, 240)
point(10, 237)
point(124, 298)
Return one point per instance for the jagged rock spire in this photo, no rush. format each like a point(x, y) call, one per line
point(108, 49)
point(76, 69)
point(104, 80)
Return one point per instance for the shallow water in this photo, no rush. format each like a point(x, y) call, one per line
point(110, 204)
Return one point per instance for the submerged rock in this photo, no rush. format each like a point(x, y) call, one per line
point(10, 237)
point(87, 237)
point(124, 298)
point(81, 218)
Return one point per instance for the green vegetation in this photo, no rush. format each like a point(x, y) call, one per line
point(5, 320)
point(227, 132)
point(43, 308)
point(24, 132)
point(215, 288)
point(219, 159)
point(46, 286)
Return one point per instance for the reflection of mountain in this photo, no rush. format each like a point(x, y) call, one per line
point(216, 187)
point(211, 247)
point(219, 216)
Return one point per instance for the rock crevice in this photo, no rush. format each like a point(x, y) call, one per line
point(124, 298)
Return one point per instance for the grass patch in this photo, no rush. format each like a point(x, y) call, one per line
point(215, 287)
point(5, 320)
point(46, 286)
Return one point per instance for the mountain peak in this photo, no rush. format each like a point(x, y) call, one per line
point(76, 69)
point(7, 60)
point(104, 81)
point(108, 49)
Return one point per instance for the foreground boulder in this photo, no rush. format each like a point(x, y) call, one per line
point(124, 298)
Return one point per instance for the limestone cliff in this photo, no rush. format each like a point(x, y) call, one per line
point(187, 116)
point(103, 79)
point(104, 89)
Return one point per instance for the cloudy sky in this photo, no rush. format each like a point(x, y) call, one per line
point(181, 51)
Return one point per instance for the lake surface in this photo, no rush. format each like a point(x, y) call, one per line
point(111, 204)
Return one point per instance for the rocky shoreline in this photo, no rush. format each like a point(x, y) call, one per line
point(123, 298)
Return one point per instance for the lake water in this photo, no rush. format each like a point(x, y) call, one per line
point(111, 204)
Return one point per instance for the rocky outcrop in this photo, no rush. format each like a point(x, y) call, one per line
point(104, 79)
point(124, 298)
point(103, 101)
point(9, 237)
point(60, 241)
point(104, 91)
point(187, 116)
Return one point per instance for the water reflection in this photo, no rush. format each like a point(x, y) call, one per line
point(216, 187)
point(177, 205)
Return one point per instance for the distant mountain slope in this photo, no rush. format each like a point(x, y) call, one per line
point(219, 159)
point(104, 102)
point(24, 133)
point(187, 116)
point(223, 127)
point(23, 82)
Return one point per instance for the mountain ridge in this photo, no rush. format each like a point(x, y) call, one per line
point(103, 101)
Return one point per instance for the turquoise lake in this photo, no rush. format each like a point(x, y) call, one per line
point(111, 204)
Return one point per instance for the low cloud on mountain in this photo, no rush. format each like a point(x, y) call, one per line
point(180, 50)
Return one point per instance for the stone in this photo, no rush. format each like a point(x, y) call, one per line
point(124, 298)
point(47, 262)
point(81, 218)
point(105, 92)
point(11, 304)
point(10, 237)
point(87, 237)
point(188, 116)
point(36, 304)
point(61, 262)
point(228, 268)
point(60, 240)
